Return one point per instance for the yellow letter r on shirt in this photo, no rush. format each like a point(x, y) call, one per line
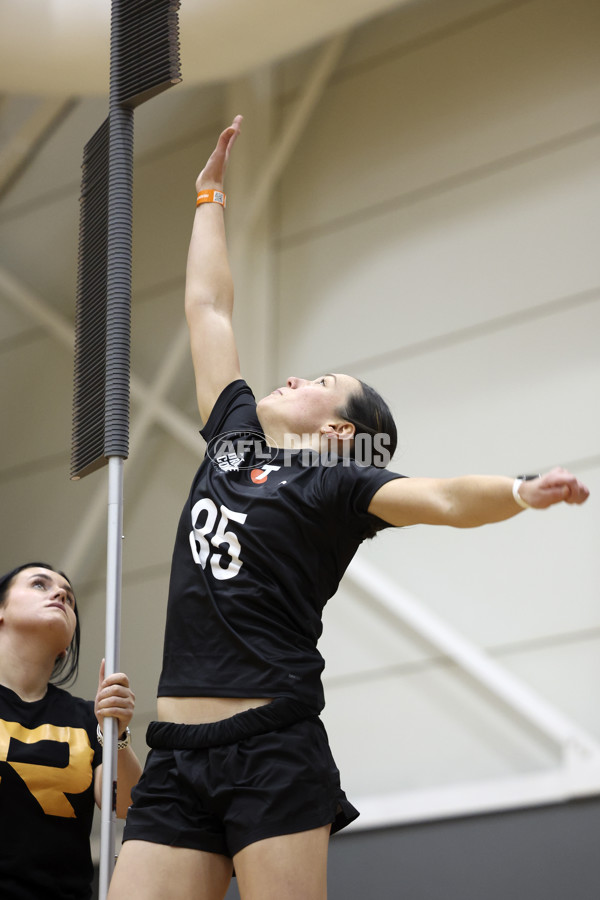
point(49, 784)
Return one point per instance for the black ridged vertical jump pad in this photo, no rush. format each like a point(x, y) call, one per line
point(144, 60)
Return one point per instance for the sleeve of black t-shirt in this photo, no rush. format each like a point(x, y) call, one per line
point(350, 489)
point(234, 410)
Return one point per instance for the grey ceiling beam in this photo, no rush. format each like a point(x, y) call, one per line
point(177, 424)
point(25, 142)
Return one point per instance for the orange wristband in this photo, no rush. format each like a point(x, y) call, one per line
point(211, 197)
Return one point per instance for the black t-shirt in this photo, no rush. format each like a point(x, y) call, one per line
point(48, 753)
point(263, 541)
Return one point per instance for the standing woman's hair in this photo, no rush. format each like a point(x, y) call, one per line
point(65, 668)
point(370, 415)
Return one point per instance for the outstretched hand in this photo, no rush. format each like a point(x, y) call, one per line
point(213, 173)
point(114, 698)
point(557, 486)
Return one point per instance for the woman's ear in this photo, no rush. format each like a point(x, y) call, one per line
point(342, 430)
point(62, 654)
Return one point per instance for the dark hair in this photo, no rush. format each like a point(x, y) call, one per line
point(370, 415)
point(65, 668)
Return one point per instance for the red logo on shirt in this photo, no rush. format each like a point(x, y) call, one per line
point(259, 476)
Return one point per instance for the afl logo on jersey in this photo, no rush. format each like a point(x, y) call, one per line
point(233, 451)
point(259, 476)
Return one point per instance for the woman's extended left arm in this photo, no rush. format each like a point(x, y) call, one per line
point(471, 500)
point(115, 698)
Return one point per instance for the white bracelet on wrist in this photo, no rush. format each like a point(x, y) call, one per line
point(515, 489)
point(121, 743)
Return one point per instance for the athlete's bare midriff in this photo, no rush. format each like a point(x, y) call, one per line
point(200, 710)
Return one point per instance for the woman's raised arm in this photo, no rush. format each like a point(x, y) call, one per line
point(209, 285)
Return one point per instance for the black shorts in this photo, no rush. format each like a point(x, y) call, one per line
point(222, 786)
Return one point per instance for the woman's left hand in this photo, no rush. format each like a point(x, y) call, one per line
point(114, 698)
point(556, 486)
point(213, 173)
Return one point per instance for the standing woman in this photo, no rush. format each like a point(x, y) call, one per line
point(50, 756)
point(240, 773)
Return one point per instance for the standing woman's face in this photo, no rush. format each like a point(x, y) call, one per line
point(41, 598)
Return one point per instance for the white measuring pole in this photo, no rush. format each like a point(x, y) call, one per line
point(111, 662)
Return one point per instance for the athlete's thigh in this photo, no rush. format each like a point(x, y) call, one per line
point(147, 871)
point(287, 867)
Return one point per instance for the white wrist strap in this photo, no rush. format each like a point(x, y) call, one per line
point(121, 744)
point(515, 489)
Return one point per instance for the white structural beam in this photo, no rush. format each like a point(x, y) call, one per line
point(281, 150)
point(258, 164)
point(152, 408)
point(94, 520)
point(383, 593)
point(577, 775)
point(251, 252)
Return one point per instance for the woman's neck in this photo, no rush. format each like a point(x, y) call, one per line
point(25, 671)
point(281, 438)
